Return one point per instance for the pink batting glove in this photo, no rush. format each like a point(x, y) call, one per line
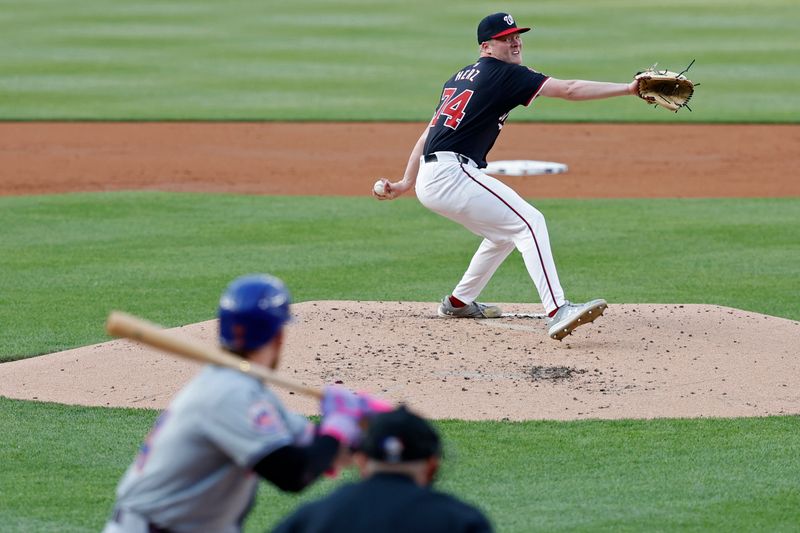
point(372, 405)
point(338, 399)
point(342, 427)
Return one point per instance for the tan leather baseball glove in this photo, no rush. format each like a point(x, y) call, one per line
point(671, 90)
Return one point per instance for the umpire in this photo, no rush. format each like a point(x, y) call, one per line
point(398, 462)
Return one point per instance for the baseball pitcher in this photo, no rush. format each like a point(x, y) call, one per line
point(445, 169)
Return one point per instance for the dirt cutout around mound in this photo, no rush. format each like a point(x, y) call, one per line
point(604, 160)
point(637, 361)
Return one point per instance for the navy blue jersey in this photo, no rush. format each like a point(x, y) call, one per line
point(476, 102)
point(389, 503)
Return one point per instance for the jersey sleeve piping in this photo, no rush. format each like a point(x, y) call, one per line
point(537, 91)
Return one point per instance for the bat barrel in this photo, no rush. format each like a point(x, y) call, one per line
point(120, 324)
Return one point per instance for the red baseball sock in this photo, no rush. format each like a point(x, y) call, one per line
point(455, 302)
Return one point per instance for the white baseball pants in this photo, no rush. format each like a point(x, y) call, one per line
point(494, 211)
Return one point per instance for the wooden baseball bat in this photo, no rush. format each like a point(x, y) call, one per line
point(121, 324)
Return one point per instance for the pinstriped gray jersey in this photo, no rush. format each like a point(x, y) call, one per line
point(193, 472)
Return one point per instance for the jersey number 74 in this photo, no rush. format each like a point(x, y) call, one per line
point(452, 107)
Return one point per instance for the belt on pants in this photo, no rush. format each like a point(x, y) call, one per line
point(448, 156)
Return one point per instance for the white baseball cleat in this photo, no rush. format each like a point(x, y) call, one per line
point(472, 310)
point(569, 316)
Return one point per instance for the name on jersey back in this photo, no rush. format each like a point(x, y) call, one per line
point(467, 74)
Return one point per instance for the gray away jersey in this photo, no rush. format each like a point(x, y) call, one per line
point(193, 471)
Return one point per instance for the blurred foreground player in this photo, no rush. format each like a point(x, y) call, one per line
point(199, 468)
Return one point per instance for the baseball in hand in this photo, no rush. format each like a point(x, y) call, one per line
point(379, 188)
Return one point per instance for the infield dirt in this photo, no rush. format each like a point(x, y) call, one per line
point(638, 361)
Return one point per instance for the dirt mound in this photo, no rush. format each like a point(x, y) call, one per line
point(638, 361)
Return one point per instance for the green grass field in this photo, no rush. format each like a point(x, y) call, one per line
point(65, 261)
point(166, 256)
point(322, 60)
point(657, 475)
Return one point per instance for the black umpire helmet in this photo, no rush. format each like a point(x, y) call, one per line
point(399, 436)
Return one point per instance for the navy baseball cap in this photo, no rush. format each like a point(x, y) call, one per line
point(399, 436)
point(497, 25)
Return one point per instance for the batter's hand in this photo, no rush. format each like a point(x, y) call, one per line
point(342, 411)
point(338, 399)
point(342, 426)
point(372, 405)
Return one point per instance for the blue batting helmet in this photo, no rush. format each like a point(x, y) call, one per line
point(252, 310)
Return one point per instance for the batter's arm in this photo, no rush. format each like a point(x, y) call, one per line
point(577, 90)
point(292, 468)
point(396, 188)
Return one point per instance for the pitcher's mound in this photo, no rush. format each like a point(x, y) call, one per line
point(637, 361)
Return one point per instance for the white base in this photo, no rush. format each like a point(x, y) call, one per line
point(521, 167)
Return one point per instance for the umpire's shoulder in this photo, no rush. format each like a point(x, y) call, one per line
point(463, 513)
point(316, 512)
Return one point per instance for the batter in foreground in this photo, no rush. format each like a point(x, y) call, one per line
point(199, 468)
point(445, 170)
